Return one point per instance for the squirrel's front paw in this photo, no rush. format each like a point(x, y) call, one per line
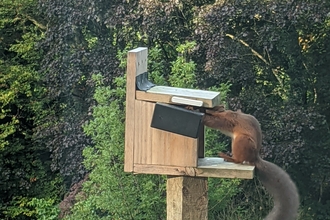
point(223, 155)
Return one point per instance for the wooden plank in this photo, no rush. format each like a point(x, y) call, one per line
point(138, 123)
point(218, 172)
point(210, 166)
point(143, 138)
point(144, 96)
point(165, 93)
point(222, 170)
point(136, 64)
point(154, 146)
point(215, 166)
point(186, 198)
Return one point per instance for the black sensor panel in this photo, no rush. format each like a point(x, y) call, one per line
point(177, 120)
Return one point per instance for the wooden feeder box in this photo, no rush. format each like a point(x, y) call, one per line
point(161, 135)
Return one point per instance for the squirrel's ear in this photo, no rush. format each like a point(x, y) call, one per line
point(239, 110)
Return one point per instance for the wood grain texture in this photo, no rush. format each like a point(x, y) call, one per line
point(157, 147)
point(223, 170)
point(186, 198)
point(136, 64)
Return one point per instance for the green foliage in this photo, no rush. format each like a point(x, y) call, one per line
point(83, 39)
point(221, 196)
point(45, 209)
point(110, 193)
point(41, 209)
point(19, 207)
point(18, 83)
point(25, 171)
point(183, 70)
point(45, 186)
point(156, 66)
point(220, 191)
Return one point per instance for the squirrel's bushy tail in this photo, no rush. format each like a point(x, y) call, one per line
point(283, 190)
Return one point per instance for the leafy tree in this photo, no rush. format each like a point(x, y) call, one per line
point(81, 40)
point(270, 52)
point(25, 171)
point(85, 38)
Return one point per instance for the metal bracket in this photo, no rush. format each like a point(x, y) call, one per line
point(142, 82)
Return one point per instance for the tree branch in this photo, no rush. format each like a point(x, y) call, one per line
point(258, 55)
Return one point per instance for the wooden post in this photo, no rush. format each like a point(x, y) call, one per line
point(187, 198)
point(136, 65)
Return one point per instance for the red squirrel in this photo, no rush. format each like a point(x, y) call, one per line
point(245, 131)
